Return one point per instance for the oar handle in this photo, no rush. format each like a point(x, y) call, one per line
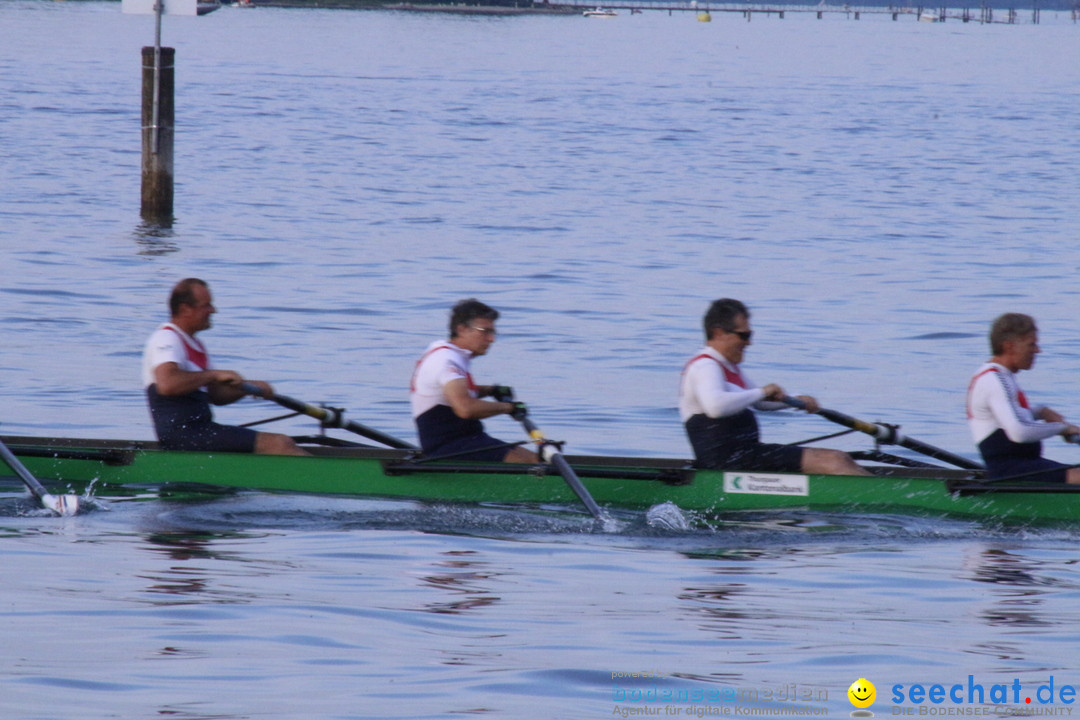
point(252, 389)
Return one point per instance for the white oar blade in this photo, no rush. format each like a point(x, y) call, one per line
point(63, 505)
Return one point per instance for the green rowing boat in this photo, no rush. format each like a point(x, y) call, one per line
point(614, 482)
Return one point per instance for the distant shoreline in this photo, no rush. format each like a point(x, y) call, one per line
point(525, 7)
point(460, 8)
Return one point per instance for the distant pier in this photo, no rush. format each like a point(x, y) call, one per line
point(921, 13)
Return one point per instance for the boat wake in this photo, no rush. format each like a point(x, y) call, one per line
point(664, 525)
point(250, 512)
point(258, 512)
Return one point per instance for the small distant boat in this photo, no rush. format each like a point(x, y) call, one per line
point(243, 4)
point(204, 7)
point(600, 12)
point(929, 16)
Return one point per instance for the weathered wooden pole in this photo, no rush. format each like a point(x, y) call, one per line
point(157, 132)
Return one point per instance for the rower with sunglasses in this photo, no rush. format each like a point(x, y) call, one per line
point(716, 404)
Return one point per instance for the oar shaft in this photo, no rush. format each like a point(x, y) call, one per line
point(37, 489)
point(938, 453)
point(880, 432)
point(559, 462)
point(376, 435)
point(60, 504)
point(329, 418)
point(285, 401)
point(889, 435)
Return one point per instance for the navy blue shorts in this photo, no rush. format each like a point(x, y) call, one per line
point(210, 437)
point(1048, 470)
point(481, 447)
point(765, 457)
point(184, 422)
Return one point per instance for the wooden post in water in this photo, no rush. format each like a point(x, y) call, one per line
point(157, 133)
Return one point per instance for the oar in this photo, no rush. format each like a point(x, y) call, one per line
point(329, 417)
point(549, 452)
point(889, 435)
point(64, 505)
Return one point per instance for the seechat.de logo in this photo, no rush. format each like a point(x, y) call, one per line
point(862, 694)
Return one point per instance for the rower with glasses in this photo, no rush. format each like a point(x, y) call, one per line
point(448, 405)
point(716, 404)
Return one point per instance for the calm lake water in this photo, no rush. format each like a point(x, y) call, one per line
point(876, 191)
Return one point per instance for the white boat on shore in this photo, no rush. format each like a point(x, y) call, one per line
point(600, 12)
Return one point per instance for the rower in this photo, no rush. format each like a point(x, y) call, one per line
point(1009, 431)
point(181, 382)
point(447, 404)
point(715, 401)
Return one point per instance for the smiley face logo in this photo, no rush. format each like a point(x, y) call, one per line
point(862, 693)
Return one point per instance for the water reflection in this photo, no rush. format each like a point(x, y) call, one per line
point(181, 712)
point(154, 237)
point(190, 580)
point(462, 578)
point(1021, 589)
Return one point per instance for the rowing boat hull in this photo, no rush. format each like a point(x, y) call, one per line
point(631, 483)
